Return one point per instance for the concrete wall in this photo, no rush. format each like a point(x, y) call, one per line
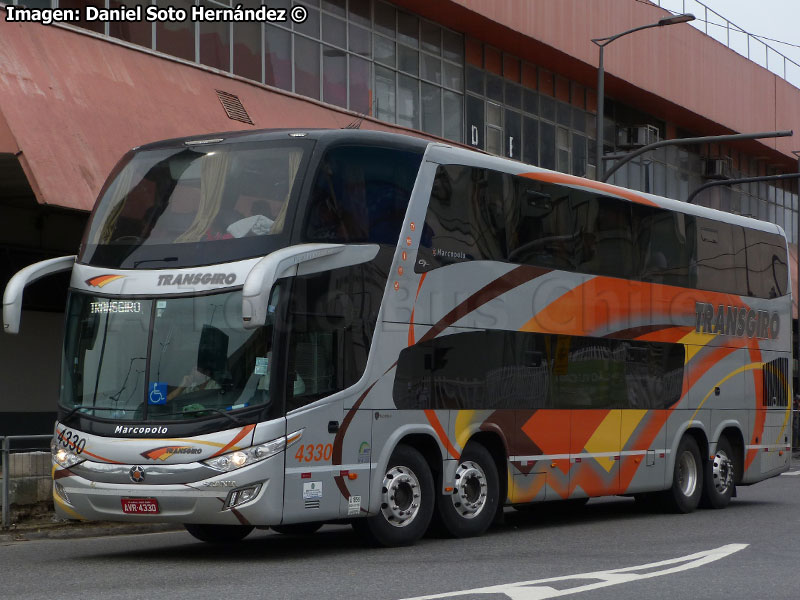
point(29, 480)
point(30, 365)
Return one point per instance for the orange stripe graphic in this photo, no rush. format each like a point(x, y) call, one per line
point(595, 185)
point(593, 305)
point(106, 460)
point(239, 436)
point(102, 280)
point(437, 427)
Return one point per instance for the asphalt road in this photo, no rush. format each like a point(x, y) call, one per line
point(609, 549)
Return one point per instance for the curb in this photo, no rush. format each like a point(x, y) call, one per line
point(72, 530)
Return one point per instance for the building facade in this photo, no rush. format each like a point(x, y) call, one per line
point(515, 79)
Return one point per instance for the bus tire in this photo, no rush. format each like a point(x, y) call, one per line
point(297, 528)
point(407, 500)
point(470, 509)
point(219, 534)
point(718, 482)
point(683, 496)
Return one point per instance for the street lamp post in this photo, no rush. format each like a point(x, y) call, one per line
point(602, 43)
point(796, 301)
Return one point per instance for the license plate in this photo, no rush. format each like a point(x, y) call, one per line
point(140, 506)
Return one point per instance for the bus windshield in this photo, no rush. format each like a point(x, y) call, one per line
point(164, 359)
point(194, 205)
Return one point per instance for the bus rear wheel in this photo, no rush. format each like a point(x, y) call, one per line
point(719, 477)
point(471, 507)
point(219, 534)
point(406, 501)
point(687, 478)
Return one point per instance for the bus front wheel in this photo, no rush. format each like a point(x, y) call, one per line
point(687, 478)
point(406, 501)
point(219, 534)
point(471, 507)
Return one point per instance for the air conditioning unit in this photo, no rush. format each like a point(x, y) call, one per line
point(717, 168)
point(637, 136)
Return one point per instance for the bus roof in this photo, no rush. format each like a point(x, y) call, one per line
point(445, 153)
point(326, 136)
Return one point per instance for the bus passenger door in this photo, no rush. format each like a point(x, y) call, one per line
point(313, 373)
point(310, 489)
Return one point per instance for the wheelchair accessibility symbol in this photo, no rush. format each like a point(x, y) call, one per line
point(157, 394)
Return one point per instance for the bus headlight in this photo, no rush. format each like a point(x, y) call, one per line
point(64, 457)
point(247, 456)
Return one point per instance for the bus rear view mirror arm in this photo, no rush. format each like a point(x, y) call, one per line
point(302, 259)
point(12, 298)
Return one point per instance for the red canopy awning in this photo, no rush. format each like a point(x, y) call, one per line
point(73, 103)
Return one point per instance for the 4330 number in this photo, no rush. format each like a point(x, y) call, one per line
point(313, 453)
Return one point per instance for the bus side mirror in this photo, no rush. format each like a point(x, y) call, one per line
point(12, 298)
point(302, 259)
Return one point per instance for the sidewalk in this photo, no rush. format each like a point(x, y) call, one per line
point(75, 529)
point(45, 525)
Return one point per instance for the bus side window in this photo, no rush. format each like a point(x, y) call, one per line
point(333, 317)
point(608, 238)
point(716, 269)
point(338, 207)
point(361, 194)
point(468, 216)
point(665, 242)
point(766, 264)
point(544, 222)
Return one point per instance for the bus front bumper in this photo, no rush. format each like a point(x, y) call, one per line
point(249, 496)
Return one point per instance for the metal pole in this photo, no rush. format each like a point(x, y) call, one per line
point(797, 304)
point(685, 141)
point(711, 184)
point(600, 117)
point(6, 476)
point(602, 43)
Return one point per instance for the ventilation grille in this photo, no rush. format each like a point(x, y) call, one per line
point(233, 107)
point(312, 503)
point(776, 381)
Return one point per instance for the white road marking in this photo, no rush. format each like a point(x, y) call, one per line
point(791, 473)
point(536, 590)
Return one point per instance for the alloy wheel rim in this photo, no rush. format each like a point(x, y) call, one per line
point(470, 492)
point(687, 473)
point(722, 472)
point(401, 496)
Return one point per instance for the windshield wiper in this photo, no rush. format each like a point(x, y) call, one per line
point(218, 411)
point(74, 410)
point(202, 410)
point(165, 259)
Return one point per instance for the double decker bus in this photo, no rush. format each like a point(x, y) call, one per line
point(288, 328)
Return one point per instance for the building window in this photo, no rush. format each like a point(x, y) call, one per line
point(176, 38)
point(419, 72)
point(367, 56)
point(512, 111)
